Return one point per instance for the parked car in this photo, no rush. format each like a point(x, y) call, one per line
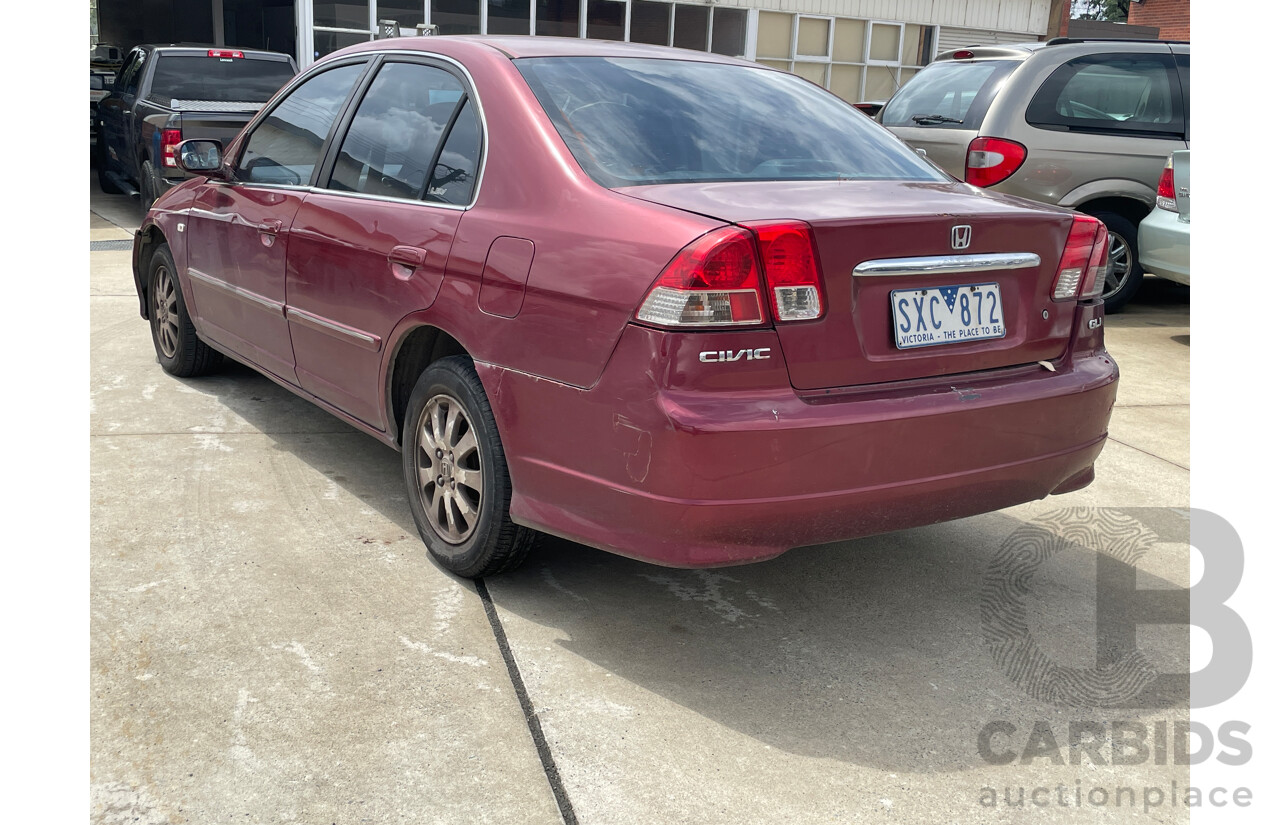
point(584, 298)
point(1080, 123)
point(99, 83)
point(164, 94)
point(1164, 236)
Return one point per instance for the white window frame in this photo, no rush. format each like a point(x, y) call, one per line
point(866, 49)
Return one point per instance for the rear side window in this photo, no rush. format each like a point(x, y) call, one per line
point(635, 121)
point(948, 95)
point(285, 147)
point(225, 79)
point(454, 177)
point(1111, 93)
point(397, 132)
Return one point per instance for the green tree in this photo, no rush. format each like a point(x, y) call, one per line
point(1111, 11)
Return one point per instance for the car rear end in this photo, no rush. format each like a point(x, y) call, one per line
point(942, 109)
point(1164, 236)
point(210, 93)
point(849, 352)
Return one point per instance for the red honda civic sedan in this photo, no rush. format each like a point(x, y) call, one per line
point(680, 307)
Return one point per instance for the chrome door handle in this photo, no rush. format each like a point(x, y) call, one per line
point(270, 226)
point(410, 256)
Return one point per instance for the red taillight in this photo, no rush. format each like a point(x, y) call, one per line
point(991, 160)
point(963, 54)
point(714, 281)
point(790, 269)
point(169, 139)
point(1080, 272)
point(1095, 278)
point(1165, 196)
point(225, 53)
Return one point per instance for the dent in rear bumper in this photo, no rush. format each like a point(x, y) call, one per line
point(697, 477)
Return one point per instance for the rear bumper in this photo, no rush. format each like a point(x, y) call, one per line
point(694, 478)
point(1164, 245)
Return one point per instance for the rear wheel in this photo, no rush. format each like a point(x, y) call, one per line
point(178, 348)
point(456, 473)
point(150, 191)
point(1124, 273)
point(104, 182)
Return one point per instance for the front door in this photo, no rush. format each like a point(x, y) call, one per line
point(372, 247)
point(238, 231)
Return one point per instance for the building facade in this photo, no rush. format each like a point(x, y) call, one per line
point(1171, 17)
point(859, 49)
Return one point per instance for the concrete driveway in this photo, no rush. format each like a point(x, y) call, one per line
point(270, 643)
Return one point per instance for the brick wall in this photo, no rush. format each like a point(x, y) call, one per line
point(1172, 17)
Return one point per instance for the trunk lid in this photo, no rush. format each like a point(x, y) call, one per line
point(856, 222)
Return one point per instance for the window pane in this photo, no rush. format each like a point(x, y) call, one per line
point(456, 16)
point(812, 38)
point(816, 72)
point(846, 81)
point(455, 173)
point(851, 37)
point(962, 91)
point(284, 148)
point(884, 42)
point(407, 13)
point(351, 14)
point(558, 18)
point(773, 39)
point(784, 65)
point(329, 42)
point(729, 32)
point(1120, 90)
point(508, 16)
point(882, 82)
point(394, 135)
point(650, 22)
point(668, 130)
point(178, 77)
point(691, 27)
point(912, 42)
point(605, 19)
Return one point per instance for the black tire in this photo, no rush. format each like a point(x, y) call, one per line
point(1123, 241)
point(149, 190)
point(104, 182)
point(178, 348)
point(460, 500)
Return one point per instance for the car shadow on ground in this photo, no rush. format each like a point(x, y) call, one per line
point(868, 651)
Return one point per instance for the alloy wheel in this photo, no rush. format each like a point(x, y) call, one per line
point(165, 306)
point(450, 470)
point(1119, 264)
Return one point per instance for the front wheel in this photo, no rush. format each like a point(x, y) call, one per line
point(456, 473)
point(178, 348)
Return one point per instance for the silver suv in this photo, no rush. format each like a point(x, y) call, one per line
point(1085, 124)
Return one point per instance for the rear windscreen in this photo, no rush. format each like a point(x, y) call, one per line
point(948, 94)
point(634, 121)
point(196, 77)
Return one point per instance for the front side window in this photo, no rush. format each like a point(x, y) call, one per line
point(636, 121)
point(1115, 93)
point(397, 131)
point(285, 147)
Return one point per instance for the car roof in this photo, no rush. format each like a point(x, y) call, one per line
point(519, 46)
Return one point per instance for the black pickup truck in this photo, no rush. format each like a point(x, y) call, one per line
point(163, 95)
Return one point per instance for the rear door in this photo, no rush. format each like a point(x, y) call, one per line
point(371, 248)
point(238, 232)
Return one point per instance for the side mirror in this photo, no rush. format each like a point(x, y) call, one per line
point(95, 82)
point(200, 157)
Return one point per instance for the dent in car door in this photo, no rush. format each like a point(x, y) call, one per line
point(239, 232)
point(373, 249)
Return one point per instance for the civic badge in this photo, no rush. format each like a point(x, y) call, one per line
point(960, 236)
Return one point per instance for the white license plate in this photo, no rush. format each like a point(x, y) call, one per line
point(946, 315)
